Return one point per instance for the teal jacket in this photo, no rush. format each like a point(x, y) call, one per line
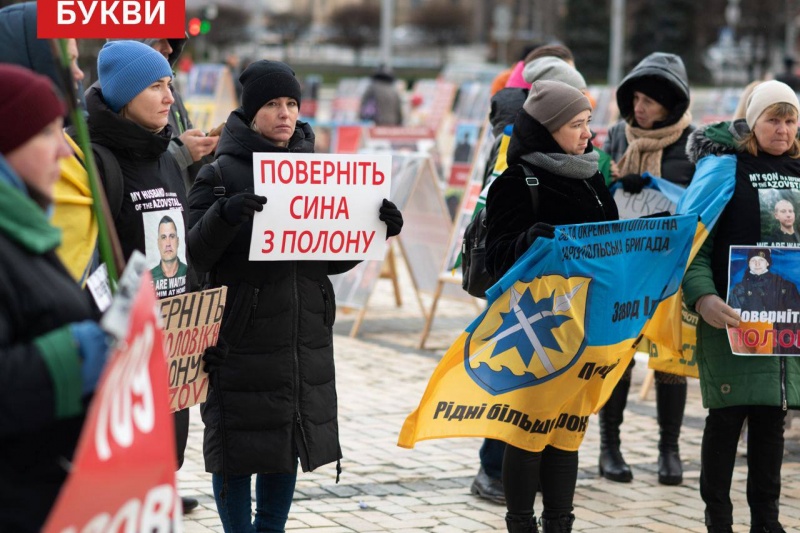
point(726, 379)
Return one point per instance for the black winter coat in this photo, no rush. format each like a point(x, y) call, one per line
point(671, 74)
point(39, 420)
point(274, 398)
point(152, 187)
point(562, 200)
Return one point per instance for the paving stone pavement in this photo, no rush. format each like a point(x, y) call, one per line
point(381, 376)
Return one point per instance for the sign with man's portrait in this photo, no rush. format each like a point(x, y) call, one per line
point(762, 288)
point(165, 248)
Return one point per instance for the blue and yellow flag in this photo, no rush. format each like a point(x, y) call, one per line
point(673, 328)
point(560, 328)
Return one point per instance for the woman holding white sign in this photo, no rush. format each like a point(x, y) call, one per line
point(550, 152)
point(761, 153)
point(272, 399)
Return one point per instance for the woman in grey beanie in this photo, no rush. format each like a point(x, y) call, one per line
point(551, 140)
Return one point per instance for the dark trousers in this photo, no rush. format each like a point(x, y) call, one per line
point(491, 455)
point(181, 420)
point(764, 459)
point(557, 471)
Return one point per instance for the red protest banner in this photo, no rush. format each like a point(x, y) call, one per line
point(123, 474)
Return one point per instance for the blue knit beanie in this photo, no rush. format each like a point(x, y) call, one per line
point(126, 68)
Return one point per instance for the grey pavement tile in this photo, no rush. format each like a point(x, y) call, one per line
point(381, 376)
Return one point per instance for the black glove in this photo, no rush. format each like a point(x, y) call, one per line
point(214, 356)
point(633, 183)
point(241, 207)
point(393, 218)
point(540, 229)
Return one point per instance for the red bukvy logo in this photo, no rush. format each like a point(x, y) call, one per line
point(111, 19)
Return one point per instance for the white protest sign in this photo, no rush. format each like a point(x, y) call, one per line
point(320, 206)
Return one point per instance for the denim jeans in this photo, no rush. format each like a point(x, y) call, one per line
point(274, 493)
point(491, 455)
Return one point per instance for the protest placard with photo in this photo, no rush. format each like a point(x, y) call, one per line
point(762, 288)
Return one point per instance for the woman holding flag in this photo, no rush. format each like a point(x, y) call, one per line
point(750, 153)
point(552, 139)
point(52, 352)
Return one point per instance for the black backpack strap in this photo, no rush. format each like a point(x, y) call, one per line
point(533, 186)
point(113, 181)
point(219, 187)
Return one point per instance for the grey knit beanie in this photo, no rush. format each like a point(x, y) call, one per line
point(764, 95)
point(553, 68)
point(554, 103)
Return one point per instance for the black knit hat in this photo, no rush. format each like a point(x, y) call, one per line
point(657, 89)
point(759, 252)
point(265, 80)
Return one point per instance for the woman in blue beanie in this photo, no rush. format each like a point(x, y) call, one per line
point(128, 119)
point(51, 350)
point(272, 400)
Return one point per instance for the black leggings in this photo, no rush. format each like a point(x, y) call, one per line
point(556, 470)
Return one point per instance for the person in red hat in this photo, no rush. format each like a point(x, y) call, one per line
point(52, 352)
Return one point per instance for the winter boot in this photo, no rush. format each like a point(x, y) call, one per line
point(670, 403)
point(521, 523)
point(612, 465)
point(719, 529)
point(562, 524)
point(774, 528)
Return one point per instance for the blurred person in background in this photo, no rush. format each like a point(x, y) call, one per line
point(381, 102)
point(72, 203)
point(52, 352)
point(653, 101)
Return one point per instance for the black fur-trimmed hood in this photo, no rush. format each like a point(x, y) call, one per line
point(715, 139)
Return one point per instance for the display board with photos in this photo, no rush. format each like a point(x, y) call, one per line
point(422, 242)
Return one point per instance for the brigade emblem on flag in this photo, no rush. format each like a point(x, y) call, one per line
point(531, 334)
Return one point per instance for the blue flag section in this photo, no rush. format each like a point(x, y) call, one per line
point(559, 330)
point(673, 328)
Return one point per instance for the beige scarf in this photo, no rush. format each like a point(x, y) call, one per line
point(645, 147)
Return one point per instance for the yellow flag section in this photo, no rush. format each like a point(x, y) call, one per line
point(673, 328)
point(560, 328)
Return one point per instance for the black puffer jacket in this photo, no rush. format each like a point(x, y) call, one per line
point(152, 181)
point(670, 72)
point(274, 398)
point(562, 200)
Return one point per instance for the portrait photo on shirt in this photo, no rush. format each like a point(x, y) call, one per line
point(763, 289)
point(165, 250)
point(780, 225)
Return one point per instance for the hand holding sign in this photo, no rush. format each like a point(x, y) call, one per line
point(393, 218)
point(716, 312)
point(241, 207)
